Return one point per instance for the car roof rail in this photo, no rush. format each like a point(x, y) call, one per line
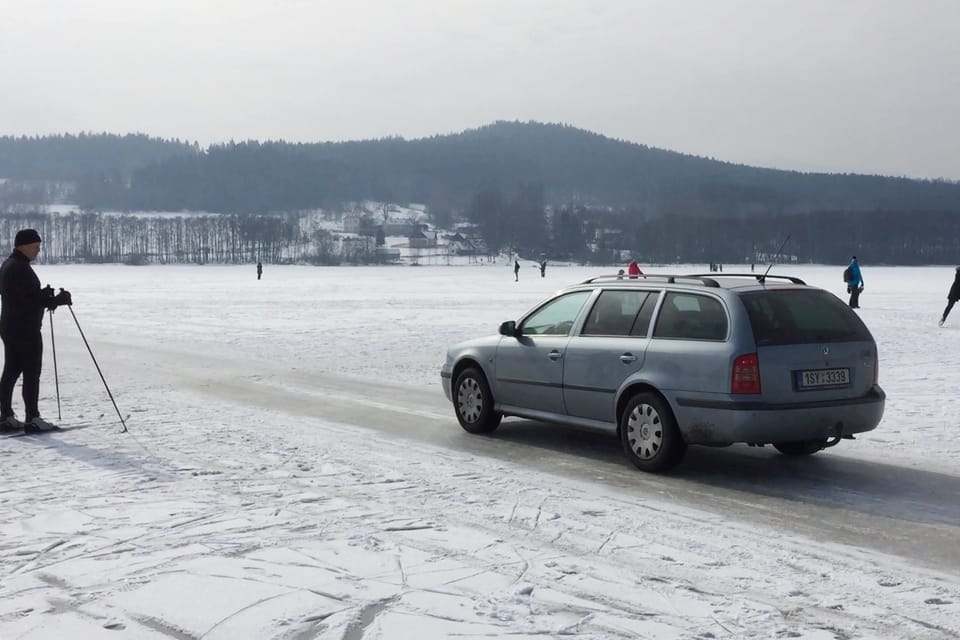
point(705, 280)
point(759, 277)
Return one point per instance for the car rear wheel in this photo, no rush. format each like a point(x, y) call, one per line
point(649, 433)
point(473, 402)
point(804, 448)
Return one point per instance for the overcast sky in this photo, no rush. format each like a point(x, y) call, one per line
point(868, 86)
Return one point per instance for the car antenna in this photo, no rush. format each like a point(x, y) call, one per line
point(763, 278)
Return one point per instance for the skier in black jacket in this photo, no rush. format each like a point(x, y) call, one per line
point(952, 297)
point(20, 320)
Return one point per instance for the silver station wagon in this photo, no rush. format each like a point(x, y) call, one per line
point(667, 361)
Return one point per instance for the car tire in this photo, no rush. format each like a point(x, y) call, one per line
point(649, 433)
point(804, 448)
point(473, 402)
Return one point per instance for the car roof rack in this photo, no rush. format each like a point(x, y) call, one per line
point(707, 281)
point(759, 277)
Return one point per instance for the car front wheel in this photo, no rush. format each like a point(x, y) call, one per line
point(805, 448)
point(649, 433)
point(473, 402)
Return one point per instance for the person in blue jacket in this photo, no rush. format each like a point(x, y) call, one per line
point(854, 283)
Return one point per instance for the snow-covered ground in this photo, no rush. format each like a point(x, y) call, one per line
point(292, 471)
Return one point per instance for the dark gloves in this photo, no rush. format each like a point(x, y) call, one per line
point(62, 298)
point(47, 292)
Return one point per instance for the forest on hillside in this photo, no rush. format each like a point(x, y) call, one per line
point(68, 157)
point(528, 187)
point(570, 165)
point(567, 234)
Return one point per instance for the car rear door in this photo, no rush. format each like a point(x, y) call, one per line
point(689, 349)
point(529, 368)
point(810, 346)
point(609, 349)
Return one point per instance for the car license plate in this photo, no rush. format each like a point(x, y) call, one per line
point(819, 378)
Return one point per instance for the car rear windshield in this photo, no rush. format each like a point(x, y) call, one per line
point(792, 316)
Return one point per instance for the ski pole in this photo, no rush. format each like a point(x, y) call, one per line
point(56, 376)
point(98, 368)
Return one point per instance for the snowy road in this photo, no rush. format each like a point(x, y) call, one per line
point(266, 490)
point(907, 512)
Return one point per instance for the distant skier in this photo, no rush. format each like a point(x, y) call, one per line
point(633, 270)
point(854, 280)
point(952, 297)
point(516, 271)
point(259, 269)
point(543, 268)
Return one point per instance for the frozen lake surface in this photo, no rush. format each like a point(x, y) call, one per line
point(293, 471)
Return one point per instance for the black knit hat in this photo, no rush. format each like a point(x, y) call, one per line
point(26, 236)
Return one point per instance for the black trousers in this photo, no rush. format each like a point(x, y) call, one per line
point(22, 354)
point(854, 297)
point(946, 311)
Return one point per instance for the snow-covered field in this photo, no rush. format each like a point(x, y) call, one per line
point(293, 471)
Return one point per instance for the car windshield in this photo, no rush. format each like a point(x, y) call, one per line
point(793, 316)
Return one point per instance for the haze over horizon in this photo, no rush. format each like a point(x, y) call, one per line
point(859, 86)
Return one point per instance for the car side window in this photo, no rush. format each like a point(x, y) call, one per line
point(691, 317)
point(557, 316)
point(642, 324)
point(614, 313)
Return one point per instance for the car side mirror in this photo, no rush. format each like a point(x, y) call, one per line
point(509, 328)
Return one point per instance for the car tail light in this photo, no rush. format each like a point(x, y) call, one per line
point(746, 374)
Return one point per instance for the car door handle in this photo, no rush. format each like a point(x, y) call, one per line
point(627, 358)
point(554, 355)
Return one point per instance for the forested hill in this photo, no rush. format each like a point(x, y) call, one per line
point(72, 157)
point(564, 165)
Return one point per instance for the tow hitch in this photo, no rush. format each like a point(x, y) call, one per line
point(833, 440)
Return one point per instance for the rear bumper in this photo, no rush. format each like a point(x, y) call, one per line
point(725, 421)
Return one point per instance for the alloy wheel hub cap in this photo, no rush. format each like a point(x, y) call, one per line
point(470, 401)
point(645, 432)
